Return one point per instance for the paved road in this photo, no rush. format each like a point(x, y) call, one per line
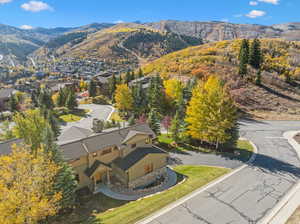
point(247, 196)
point(97, 111)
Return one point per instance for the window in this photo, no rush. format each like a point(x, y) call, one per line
point(77, 178)
point(133, 146)
point(106, 151)
point(148, 168)
point(94, 154)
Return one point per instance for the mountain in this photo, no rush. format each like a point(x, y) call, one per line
point(121, 47)
point(16, 44)
point(279, 94)
point(217, 31)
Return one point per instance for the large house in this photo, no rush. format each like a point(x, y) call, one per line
point(5, 95)
point(125, 157)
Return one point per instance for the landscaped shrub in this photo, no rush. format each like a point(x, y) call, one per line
point(100, 100)
point(59, 111)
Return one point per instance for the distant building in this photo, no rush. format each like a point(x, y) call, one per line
point(5, 95)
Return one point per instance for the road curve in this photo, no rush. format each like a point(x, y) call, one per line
point(248, 195)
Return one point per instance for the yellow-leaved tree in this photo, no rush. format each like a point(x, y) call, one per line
point(26, 186)
point(123, 98)
point(173, 89)
point(211, 114)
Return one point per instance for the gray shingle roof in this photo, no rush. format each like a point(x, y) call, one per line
point(135, 156)
point(133, 133)
point(74, 133)
point(6, 147)
point(100, 141)
point(6, 93)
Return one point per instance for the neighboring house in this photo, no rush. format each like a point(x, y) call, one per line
point(5, 95)
point(123, 157)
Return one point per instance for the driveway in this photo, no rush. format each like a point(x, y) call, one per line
point(101, 112)
point(248, 195)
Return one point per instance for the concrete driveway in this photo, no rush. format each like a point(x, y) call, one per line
point(248, 195)
point(101, 112)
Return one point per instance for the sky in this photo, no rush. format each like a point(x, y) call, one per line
point(28, 14)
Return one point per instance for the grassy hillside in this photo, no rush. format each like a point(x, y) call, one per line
point(275, 98)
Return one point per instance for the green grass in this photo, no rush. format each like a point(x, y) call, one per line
point(116, 117)
point(69, 118)
point(197, 176)
point(243, 149)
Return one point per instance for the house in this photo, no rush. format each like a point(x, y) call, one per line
point(123, 157)
point(5, 95)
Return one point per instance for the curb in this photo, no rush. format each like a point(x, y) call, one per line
point(200, 190)
point(286, 207)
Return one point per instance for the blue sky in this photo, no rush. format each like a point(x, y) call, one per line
point(54, 13)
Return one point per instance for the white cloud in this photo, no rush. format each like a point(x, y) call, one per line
point(274, 2)
point(5, 1)
point(253, 3)
point(256, 13)
point(36, 6)
point(119, 21)
point(26, 27)
point(225, 20)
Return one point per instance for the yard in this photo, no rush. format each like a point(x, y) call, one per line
point(76, 115)
point(98, 208)
point(242, 151)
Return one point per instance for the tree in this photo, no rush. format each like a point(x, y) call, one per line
point(255, 56)
point(153, 121)
point(83, 85)
point(175, 127)
point(51, 119)
point(140, 73)
point(13, 104)
point(139, 99)
point(71, 102)
point(258, 78)
point(211, 113)
point(112, 86)
point(156, 96)
point(174, 89)
point(127, 78)
point(131, 121)
point(62, 96)
point(30, 199)
point(166, 122)
point(92, 88)
point(45, 99)
point(244, 57)
point(123, 98)
point(29, 127)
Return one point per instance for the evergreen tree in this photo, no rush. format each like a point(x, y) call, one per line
point(153, 121)
point(127, 78)
point(71, 102)
point(45, 99)
point(181, 107)
point(244, 57)
point(155, 95)
point(131, 121)
point(112, 86)
point(139, 99)
point(258, 78)
point(13, 104)
point(255, 56)
point(53, 123)
point(34, 98)
point(61, 99)
point(140, 73)
point(92, 88)
point(175, 127)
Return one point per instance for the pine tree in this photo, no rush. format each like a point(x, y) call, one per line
point(156, 96)
point(244, 57)
point(61, 99)
point(92, 88)
point(45, 99)
point(127, 78)
point(211, 113)
point(71, 102)
point(13, 104)
point(153, 121)
point(140, 73)
point(175, 127)
point(53, 123)
point(258, 78)
point(112, 86)
point(255, 56)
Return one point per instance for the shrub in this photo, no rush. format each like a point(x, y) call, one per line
point(59, 111)
point(100, 100)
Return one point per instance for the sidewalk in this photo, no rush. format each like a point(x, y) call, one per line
point(282, 212)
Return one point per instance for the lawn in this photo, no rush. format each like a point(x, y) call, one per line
point(76, 115)
point(116, 117)
point(243, 149)
point(99, 209)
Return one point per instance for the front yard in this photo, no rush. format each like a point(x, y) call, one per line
point(243, 150)
point(101, 209)
point(74, 116)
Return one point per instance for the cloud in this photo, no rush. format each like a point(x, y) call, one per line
point(119, 21)
point(225, 20)
point(26, 27)
point(253, 3)
point(5, 1)
point(256, 13)
point(238, 15)
point(36, 6)
point(274, 2)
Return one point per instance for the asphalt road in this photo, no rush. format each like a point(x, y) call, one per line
point(248, 195)
point(97, 111)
